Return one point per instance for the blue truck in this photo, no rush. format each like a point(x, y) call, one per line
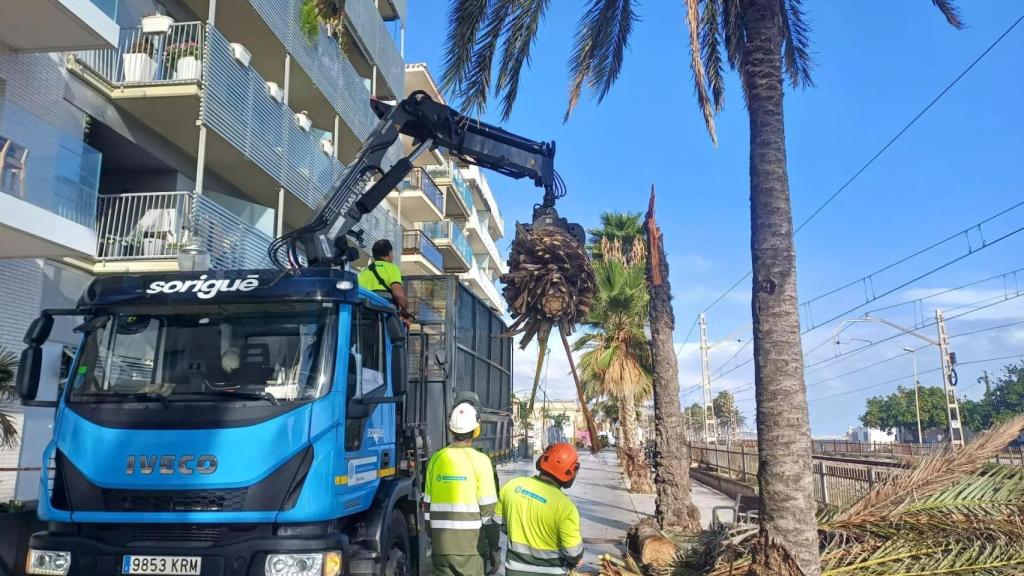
point(273, 422)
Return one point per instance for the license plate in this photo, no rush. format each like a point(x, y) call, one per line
point(172, 565)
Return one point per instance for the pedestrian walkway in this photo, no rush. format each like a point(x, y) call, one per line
point(607, 509)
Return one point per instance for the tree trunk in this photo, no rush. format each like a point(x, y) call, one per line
point(674, 505)
point(788, 538)
point(632, 455)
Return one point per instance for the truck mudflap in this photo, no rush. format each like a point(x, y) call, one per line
point(223, 551)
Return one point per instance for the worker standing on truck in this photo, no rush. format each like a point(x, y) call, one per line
point(460, 496)
point(382, 276)
point(542, 523)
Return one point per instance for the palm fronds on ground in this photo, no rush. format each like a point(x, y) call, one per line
point(8, 366)
point(954, 513)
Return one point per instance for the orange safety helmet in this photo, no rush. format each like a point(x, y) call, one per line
point(561, 462)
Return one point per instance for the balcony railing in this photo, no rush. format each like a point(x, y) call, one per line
point(48, 167)
point(418, 179)
point(462, 187)
point(233, 243)
point(448, 231)
point(141, 226)
point(151, 59)
point(369, 27)
point(416, 242)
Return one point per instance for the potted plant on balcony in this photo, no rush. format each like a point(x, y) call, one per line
point(156, 24)
point(185, 59)
point(241, 54)
point(139, 65)
point(327, 13)
point(303, 121)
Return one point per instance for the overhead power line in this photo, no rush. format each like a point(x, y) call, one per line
point(883, 149)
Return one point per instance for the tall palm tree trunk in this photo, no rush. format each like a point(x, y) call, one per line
point(789, 539)
point(633, 461)
point(674, 505)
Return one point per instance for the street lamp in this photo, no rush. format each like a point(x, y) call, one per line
point(917, 396)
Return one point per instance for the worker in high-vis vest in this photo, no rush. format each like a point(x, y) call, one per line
point(542, 523)
point(459, 498)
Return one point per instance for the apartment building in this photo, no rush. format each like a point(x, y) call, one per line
point(125, 137)
point(450, 219)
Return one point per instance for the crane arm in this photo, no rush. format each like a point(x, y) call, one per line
point(430, 124)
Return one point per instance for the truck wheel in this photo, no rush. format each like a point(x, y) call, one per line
point(396, 551)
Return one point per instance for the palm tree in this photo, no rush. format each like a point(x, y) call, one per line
point(766, 41)
point(616, 357)
point(8, 365)
point(624, 227)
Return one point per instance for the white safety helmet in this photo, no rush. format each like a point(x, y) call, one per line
point(463, 419)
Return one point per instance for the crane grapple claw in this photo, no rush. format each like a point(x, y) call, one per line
point(547, 217)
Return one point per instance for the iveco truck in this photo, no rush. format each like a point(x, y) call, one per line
point(274, 422)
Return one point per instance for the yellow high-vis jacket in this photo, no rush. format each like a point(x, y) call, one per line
point(543, 528)
point(461, 497)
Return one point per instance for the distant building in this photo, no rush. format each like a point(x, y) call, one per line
point(870, 435)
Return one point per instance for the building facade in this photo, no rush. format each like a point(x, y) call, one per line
point(123, 138)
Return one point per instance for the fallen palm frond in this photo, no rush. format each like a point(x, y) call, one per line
point(955, 513)
point(550, 283)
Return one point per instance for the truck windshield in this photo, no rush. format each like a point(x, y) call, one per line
point(209, 353)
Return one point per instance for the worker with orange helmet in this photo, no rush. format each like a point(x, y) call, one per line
point(542, 523)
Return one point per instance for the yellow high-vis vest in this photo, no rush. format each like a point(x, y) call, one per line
point(543, 528)
point(461, 496)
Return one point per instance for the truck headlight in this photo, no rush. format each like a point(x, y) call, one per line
point(47, 562)
point(315, 564)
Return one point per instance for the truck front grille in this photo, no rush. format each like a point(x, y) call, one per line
point(227, 500)
point(149, 534)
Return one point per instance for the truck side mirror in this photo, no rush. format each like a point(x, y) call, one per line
point(29, 370)
point(39, 330)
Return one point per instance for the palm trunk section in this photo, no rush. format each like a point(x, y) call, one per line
point(673, 505)
point(788, 529)
point(632, 454)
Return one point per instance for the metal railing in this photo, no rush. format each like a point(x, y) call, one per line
point(144, 225)
point(369, 27)
point(448, 231)
point(439, 172)
point(1011, 455)
point(836, 482)
point(233, 244)
point(416, 242)
point(151, 59)
point(48, 167)
point(418, 179)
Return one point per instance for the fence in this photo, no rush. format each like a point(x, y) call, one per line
point(1012, 455)
point(135, 226)
point(142, 59)
point(837, 482)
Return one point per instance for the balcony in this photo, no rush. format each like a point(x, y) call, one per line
point(142, 65)
point(48, 185)
point(454, 247)
point(373, 36)
point(479, 234)
point(480, 281)
point(419, 198)
point(57, 25)
point(459, 201)
point(147, 230)
point(420, 256)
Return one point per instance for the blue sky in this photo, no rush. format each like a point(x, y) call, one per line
point(878, 64)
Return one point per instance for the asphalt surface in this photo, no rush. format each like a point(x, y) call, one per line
point(607, 509)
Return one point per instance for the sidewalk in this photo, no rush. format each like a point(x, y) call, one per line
point(607, 509)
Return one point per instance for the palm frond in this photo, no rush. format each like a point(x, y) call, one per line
point(593, 28)
point(732, 32)
point(950, 11)
point(519, 38)
point(697, 67)
point(711, 50)
point(464, 20)
point(612, 49)
point(476, 86)
point(8, 366)
point(796, 56)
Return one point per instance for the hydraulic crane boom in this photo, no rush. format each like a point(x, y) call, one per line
point(430, 125)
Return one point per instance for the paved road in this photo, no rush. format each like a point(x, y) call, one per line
point(607, 509)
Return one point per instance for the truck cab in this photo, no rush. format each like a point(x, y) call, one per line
point(229, 423)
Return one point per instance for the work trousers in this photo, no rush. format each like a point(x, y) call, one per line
point(453, 565)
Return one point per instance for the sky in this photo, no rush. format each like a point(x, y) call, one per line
point(877, 65)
